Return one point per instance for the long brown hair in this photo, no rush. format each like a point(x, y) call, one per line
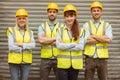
point(75, 30)
point(75, 27)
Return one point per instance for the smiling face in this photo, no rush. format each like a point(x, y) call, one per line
point(52, 14)
point(21, 21)
point(96, 13)
point(69, 18)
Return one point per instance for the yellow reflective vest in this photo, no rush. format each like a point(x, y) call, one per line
point(26, 55)
point(67, 59)
point(100, 48)
point(48, 51)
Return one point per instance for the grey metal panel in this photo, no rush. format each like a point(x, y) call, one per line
point(37, 12)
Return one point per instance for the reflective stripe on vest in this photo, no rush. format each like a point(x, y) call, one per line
point(100, 48)
point(26, 55)
point(48, 51)
point(66, 59)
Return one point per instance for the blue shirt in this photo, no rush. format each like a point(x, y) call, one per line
point(41, 31)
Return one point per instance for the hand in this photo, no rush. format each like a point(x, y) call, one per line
point(19, 44)
point(54, 39)
point(93, 36)
point(54, 44)
point(91, 40)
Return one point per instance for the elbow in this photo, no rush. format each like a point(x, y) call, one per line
point(34, 45)
point(41, 41)
point(108, 41)
point(82, 48)
point(60, 47)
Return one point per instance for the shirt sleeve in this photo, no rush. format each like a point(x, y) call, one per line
point(40, 30)
point(11, 44)
point(63, 46)
point(108, 32)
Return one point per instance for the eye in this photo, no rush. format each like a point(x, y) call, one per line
point(98, 10)
point(19, 18)
point(24, 18)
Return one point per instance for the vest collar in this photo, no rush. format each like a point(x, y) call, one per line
point(66, 28)
point(16, 26)
point(52, 24)
point(96, 21)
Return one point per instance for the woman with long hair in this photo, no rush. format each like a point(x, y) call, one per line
point(70, 41)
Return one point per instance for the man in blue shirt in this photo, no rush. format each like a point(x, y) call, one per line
point(47, 39)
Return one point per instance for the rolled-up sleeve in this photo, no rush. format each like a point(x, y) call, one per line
point(108, 32)
point(40, 30)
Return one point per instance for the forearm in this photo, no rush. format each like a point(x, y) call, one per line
point(80, 45)
point(91, 40)
point(12, 45)
point(77, 48)
point(103, 39)
point(45, 40)
point(15, 48)
point(63, 46)
point(28, 45)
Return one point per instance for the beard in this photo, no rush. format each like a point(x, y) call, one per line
point(52, 18)
point(96, 17)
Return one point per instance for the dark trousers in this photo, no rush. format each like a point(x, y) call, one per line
point(46, 66)
point(67, 74)
point(92, 64)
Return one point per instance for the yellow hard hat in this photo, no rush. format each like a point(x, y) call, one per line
point(70, 7)
point(53, 6)
point(21, 12)
point(96, 4)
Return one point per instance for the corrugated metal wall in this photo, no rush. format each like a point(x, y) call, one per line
point(37, 13)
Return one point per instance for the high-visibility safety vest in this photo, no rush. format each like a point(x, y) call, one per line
point(67, 59)
point(26, 54)
point(101, 49)
point(48, 51)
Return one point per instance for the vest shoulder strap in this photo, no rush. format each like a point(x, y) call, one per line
point(60, 29)
point(82, 33)
point(43, 25)
point(88, 25)
point(11, 30)
point(105, 26)
point(30, 33)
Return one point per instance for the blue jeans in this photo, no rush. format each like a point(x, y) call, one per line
point(23, 69)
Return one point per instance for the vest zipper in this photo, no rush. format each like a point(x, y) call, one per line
point(22, 47)
point(52, 46)
point(71, 54)
point(51, 37)
point(70, 51)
